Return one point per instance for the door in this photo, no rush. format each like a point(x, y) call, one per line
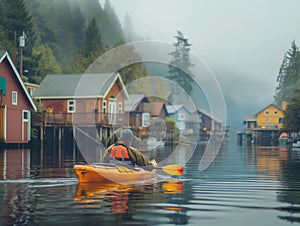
point(112, 112)
point(26, 126)
point(2, 123)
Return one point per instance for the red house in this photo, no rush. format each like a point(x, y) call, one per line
point(99, 98)
point(15, 104)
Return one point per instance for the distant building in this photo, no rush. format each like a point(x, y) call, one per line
point(270, 117)
point(15, 104)
point(182, 117)
point(31, 87)
point(263, 128)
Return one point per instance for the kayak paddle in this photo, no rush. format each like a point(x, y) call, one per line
point(173, 169)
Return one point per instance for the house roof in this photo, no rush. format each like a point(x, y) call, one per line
point(79, 85)
point(157, 107)
point(3, 55)
point(276, 106)
point(209, 115)
point(171, 109)
point(249, 118)
point(133, 101)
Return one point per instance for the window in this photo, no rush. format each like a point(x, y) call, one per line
point(120, 108)
point(181, 116)
point(25, 116)
point(104, 107)
point(30, 91)
point(275, 112)
point(71, 106)
point(14, 100)
point(267, 112)
point(145, 119)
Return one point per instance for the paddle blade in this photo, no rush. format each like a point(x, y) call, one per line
point(174, 170)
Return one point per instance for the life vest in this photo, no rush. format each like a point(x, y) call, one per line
point(120, 152)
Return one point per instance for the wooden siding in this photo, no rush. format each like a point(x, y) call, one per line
point(13, 112)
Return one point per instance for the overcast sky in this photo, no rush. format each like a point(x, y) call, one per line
point(242, 41)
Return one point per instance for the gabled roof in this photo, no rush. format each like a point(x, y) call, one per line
point(3, 55)
point(77, 85)
point(157, 107)
point(209, 115)
point(276, 106)
point(132, 103)
point(171, 109)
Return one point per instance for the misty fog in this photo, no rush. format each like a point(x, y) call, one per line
point(243, 42)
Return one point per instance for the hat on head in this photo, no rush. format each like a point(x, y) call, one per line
point(126, 135)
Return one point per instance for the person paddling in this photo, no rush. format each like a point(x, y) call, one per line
point(123, 151)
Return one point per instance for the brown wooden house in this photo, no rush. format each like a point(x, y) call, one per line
point(137, 111)
point(82, 99)
point(15, 104)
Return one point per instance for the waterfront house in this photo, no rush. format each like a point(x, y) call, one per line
point(82, 99)
point(263, 128)
point(31, 87)
point(182, 117)
point(270, 117)
point(15, 104)
point(137, 111)
point(209, 122)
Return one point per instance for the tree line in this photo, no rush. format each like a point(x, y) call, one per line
point(61, 36)
point(288, 88)
point(67, 36)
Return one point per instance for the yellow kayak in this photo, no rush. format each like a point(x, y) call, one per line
point(111, 172)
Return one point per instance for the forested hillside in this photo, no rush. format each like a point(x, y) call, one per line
point(62, 36)
point(288, 88)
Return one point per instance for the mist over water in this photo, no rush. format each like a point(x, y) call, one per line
point(243, 42)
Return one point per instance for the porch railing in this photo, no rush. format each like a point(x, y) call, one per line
point(98, 119)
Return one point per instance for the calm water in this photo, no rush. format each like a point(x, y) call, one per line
point(243, 186)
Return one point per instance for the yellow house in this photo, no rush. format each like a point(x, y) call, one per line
point(270, 117)
point(31, 87)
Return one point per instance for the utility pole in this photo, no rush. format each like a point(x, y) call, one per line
point(15, 47)
point(22, 45)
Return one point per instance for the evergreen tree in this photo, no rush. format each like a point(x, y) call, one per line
point(110, 26)
point(121, 59)
point(291, 120)
point(15, 19)
point(128, 30)
point(180, 64)
point(289, 75)
point(47, 63)
point(91, 49)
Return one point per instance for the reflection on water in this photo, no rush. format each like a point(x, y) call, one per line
point(243, 186)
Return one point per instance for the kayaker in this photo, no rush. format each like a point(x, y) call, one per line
point(123, 151)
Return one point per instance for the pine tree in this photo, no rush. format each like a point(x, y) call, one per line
point(289, 75)
point(92, 47)
point(15, 19)
point(110, 26)
point(180, 64)
point(47, 63)
point(291, 120)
